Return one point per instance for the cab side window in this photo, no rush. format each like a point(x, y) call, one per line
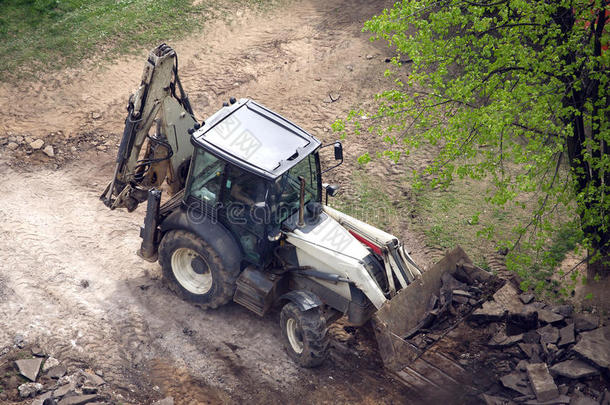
point(242, 191)
point(207, 177)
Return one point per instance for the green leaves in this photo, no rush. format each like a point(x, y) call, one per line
point(514, 92)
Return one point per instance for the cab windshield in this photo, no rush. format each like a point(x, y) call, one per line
point(285, 198)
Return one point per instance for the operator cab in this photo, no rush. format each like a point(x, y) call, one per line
point(246, 172)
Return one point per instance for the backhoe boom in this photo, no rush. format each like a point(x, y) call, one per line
point(142, 165)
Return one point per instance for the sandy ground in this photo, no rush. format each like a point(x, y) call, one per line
point(71, 281)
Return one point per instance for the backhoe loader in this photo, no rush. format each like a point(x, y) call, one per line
point(245, 221)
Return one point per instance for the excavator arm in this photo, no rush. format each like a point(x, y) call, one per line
point(146, 159)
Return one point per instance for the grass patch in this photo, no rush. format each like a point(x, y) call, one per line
point(367, 202)
point(459, 215)
point(50, 34)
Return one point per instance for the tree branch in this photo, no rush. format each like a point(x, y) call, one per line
point(502, 70)
point(480, 34)
point(472, 3)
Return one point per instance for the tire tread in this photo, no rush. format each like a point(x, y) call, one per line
point(313, 325)
point(223, 287)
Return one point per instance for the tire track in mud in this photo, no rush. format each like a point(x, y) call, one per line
point(183, 387)
point(497, 264)
point(225, 347)
point(58, 265)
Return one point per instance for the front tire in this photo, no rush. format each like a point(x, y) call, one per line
point(305, 335)
point(195, 271)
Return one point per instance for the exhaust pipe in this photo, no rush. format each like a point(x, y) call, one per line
point(301, 222)
point(148, 233)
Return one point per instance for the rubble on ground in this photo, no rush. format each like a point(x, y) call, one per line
point(32, 377)
point(523, 350)
point(535, 354)
point(55, 149)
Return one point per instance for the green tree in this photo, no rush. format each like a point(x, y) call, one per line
point(499, 82)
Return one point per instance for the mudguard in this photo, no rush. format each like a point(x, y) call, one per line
point(304, 300)
point(213, 232)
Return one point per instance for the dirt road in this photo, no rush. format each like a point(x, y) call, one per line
point(70, 279)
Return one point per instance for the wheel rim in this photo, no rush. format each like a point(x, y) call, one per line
point(191, 271)
point(295, 337)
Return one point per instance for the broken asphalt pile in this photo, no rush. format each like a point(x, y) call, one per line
point(29, 376)
point(461, 292)
point(556, 356)
point(520, 350)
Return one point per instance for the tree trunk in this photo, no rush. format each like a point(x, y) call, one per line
point(590, 182)
point(599, 268)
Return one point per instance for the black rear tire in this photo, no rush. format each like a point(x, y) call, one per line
point(305, 335)
point(198, 273)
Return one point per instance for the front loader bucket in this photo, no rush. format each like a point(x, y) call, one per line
point(429, 369)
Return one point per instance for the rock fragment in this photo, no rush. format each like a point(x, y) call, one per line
point(531, 336)
point(93, 379)
point(524, 398)
point(49, 363)
point(165, 401)
point(37, 351)
point(462, 293)
point(517, 381)
point(546, 316)
point(12, 145)
point(531, 350)
point(595, 346)
point(566, 336)
point(29, 389)
point(36, 144)
point(491, 311)
point(19, 340)
point(501, 340)
point(526, 298)
point(78, 399)
point(542, 383)
point(574, 369)
point(562, 399)
point(548, 334)
point(40, 400)
point(565, 310)
point(460, 299)
point(64, 389)
point(48, 150)
point(473, 273)
point(507, 297)
point(57, 372)
point(523, 320)
point(584, 322)
point(29, 367)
